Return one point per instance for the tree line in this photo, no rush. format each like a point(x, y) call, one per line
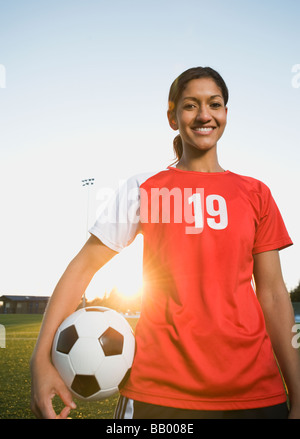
point(131, 305)
point(295, 293)
point(117, 301)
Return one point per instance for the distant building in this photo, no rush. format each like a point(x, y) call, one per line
point(23, 304)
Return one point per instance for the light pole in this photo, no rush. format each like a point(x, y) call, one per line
point(87, 182)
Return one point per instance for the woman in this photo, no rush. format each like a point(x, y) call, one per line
point(205, 338)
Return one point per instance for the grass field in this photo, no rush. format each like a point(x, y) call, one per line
point(21, 334)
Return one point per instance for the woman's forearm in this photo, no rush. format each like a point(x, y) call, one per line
point(63, 302)
point(279, 317)
point(69, 291)
point(46, 381)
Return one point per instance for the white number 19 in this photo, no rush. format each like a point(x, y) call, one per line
point(215, 207)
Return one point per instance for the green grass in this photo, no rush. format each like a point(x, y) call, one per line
point(15, 381)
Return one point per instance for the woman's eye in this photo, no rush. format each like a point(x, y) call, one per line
point(216, 105)
point(189, 106)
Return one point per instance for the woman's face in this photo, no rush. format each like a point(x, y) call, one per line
point(201, 115)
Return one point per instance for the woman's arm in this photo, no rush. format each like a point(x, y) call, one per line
point(279, 316)
point(46, 381)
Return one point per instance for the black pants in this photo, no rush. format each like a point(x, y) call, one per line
point(130, 409)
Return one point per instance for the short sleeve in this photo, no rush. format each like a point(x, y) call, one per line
point(271, 232)
point(118, 221)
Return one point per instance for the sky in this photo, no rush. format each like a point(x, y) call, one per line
point(83, 94)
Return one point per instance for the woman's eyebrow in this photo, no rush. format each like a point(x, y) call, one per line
point(195, 99)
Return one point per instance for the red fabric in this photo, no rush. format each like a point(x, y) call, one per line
point(201, 337)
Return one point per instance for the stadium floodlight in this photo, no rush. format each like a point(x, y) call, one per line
point(87, 182)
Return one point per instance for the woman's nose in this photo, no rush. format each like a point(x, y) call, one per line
point(203, 114)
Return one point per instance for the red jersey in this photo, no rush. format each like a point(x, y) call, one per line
point(201, 337)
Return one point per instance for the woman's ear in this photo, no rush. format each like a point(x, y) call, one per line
point(172, 120)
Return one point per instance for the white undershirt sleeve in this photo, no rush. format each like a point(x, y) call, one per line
point(118, 222)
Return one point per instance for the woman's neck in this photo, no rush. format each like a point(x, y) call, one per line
point(199, 163)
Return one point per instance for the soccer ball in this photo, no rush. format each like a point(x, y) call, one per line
point(93, 350)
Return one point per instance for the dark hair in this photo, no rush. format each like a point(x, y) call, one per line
point(178, 87)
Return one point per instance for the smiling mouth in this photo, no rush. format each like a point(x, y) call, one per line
point(203, 130)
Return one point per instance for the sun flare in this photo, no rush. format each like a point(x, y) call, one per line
point(124, 272)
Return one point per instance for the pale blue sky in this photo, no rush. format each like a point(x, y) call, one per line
point(86, 96)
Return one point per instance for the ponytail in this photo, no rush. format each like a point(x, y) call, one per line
point(178, 148)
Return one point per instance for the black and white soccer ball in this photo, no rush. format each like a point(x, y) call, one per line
point(93, 351)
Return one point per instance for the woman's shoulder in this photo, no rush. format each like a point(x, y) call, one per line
point(250, 182)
